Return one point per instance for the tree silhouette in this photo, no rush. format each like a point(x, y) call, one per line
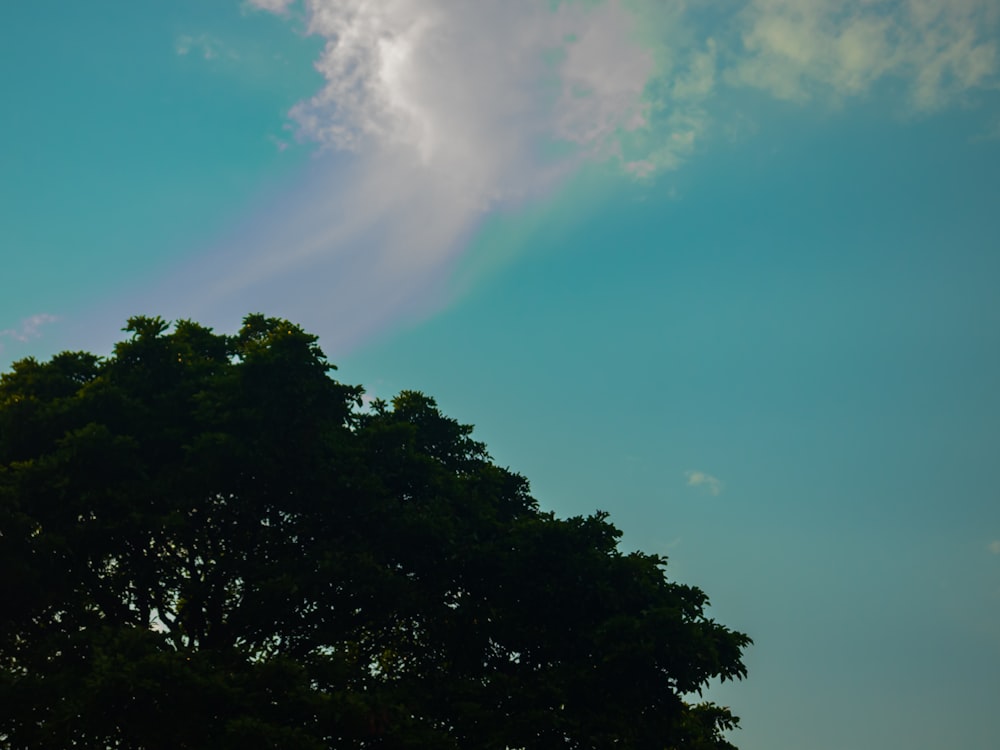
point(208, 542)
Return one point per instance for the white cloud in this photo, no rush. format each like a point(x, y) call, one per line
point(27, 329)
point(205, 45)
point(474, 82)
point(434, 112)
point(705, 481)
point(797, 49)
point(274, 6)
point(995, 547)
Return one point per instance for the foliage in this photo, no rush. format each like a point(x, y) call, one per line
point(208, 542)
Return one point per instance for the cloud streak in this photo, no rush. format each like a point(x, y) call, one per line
point(27, 329)
point(432, 113)
point(704, 481)
point(204, 45)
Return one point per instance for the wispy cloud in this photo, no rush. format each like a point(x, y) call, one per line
point(27, 329)
point(273, 6)
point(995, 546)
point(206, 46)
point(797, 49)
point(432, 113)
point(990, 133)
point(704, 481)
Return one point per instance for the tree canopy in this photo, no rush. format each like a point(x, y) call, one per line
point(206, 541)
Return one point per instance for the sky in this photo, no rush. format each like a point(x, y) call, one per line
point(727, 270)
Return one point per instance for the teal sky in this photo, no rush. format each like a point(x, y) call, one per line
point(728, 273)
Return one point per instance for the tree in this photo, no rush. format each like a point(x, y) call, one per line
point(208, 542)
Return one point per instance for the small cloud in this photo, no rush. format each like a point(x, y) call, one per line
point(28, 329)
point(203, 44)
point(673, 543)
point(272, 6)
point(995, 546)
point(710, 484)
point(992, 133)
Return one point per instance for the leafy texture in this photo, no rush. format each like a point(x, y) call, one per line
point(208, 542)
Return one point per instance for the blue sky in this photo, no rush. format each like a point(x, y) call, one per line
point(728, 272)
